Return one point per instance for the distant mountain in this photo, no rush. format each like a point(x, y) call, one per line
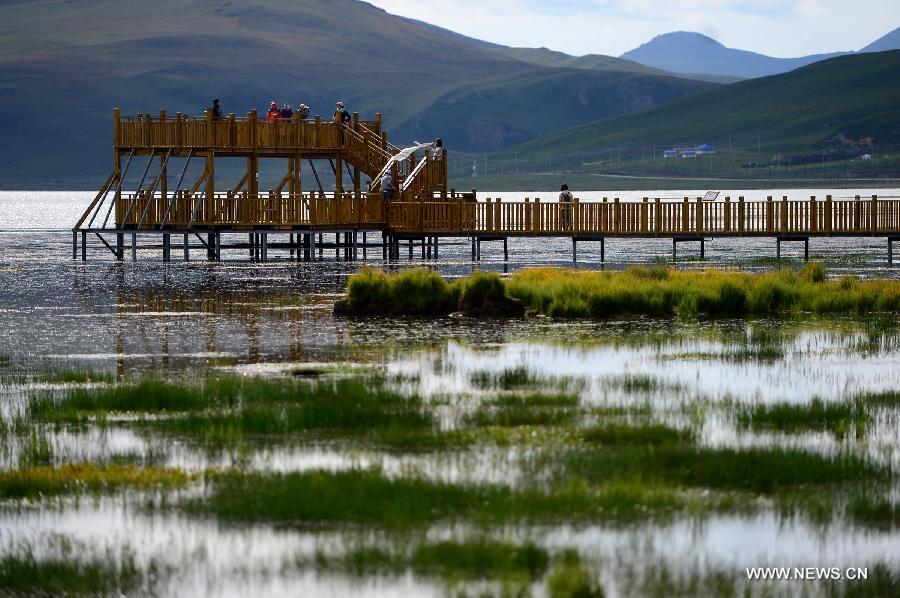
point(890, 41)
point(830, 104)
point(67, 63)
point(599, 62)
point(686, 52)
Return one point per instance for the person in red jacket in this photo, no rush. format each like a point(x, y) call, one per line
point(274, 114)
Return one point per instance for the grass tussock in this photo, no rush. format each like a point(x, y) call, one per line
point(757, 470)
point(640, 435)
point(42, 481)
point(571, 579)
point(535, 409)
point(365, 497)
point(25, 574)
point(420, 291)
point(877, 512)
point(817, 415)
point(639, 290)
point(472, 559)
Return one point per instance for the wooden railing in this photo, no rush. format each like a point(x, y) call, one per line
point(649, 218)
point(229, 133)
point(183, 210)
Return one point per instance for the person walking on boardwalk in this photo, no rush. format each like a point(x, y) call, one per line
point(286, 112)
point(387, 185)
point(216, 110)
point(303, 111)
point(565, 197)
point(274, 114)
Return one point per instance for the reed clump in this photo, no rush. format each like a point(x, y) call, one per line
point(423, 292)
point(639, 290)
point(42, 481)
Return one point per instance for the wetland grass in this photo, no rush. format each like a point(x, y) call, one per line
point(756, 470)
point(366, 497)
point(639, 290)
point(837, 418)
point(43, 481)
point(569, 578)
point(471, 559)
point(534, 409)
point(25, 574)
point(640, 435)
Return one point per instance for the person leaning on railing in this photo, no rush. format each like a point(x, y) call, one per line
point(303, 111)
point(216, 110)
point(565, 197)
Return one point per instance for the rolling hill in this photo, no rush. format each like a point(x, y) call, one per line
point(67, 63)
point(829, 104)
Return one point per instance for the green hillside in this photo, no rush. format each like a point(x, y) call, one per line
point(825, 106)
point(67, 63)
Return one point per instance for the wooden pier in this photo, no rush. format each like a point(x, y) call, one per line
point(421, 209)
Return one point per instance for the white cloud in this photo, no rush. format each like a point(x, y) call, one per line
point(774, 27)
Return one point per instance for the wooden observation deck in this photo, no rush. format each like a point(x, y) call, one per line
point(421, 206)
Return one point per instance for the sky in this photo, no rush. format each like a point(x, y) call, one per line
point(784, 28)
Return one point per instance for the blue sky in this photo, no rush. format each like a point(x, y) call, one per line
point(778, 28)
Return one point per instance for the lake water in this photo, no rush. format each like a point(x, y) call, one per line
point(249, 318)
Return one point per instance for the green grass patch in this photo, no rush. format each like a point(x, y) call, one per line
point(837, 418)
point(42, 481)
point(571, 579)
point(641, 435)
point(536, 409)
point(25, 574)
point(472, 559)
point(639, 384)
point(365, 497)
point(757, 470)
point(874, 512)
point(888, 398)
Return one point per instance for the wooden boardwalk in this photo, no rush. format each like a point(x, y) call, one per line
point(421, 206)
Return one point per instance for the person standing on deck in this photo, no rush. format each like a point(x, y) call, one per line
point(342, 117)
point(387, 185)
point(286, 112)
point(274, 114)
point(216, 110)
point(565, 197)
point(437, 149)
point(303, 111)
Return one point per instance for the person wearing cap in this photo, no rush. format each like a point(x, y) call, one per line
point(216, 110)
point(303, 111)
point(274, 114)
point(286, 112)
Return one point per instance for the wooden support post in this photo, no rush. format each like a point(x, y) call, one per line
point(617, 215)
point(685, 217)
point(828, 215)
point(574, 249)
point(338, 175)
point(83, 246)
point(741, 214)
point(166, 247)
point(187, 248)
point(784, 214)
point(770, 215)
point(163, 168)
point(602, 249)
point(813, 215)
point(698, 218)
point(74, 244)
point(645, 215)
point(873, 215)
point(133, 247)
point(657, 221)
point(856, 213)
point(727, 214)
